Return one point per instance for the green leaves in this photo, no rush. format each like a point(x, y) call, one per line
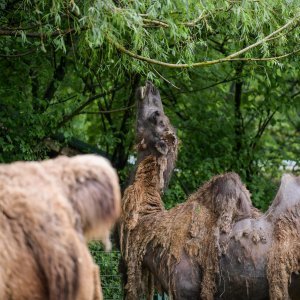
point(62, 73)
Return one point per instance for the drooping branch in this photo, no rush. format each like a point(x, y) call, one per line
point(229, 58)
point(265, 39)
point(154, 23)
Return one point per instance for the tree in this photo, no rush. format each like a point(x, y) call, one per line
point(72, 67)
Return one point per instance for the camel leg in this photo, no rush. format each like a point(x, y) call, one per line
point(97, 285)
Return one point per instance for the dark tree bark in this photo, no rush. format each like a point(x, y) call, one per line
point(120, 154)
point(239, 130)
point(58, 75)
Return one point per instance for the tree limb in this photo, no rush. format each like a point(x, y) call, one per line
point(13, 32)
point(231, 57)
point(265, 39)
point(58, 75)
point(106, 111)
point(85, 104)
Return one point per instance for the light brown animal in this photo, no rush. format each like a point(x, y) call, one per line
point(48, 211)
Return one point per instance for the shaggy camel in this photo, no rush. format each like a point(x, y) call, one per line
point(47, 211)
point(216, 245)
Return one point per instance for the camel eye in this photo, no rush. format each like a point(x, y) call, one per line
point(161, 124)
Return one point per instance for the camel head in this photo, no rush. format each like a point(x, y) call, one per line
point(154, 133)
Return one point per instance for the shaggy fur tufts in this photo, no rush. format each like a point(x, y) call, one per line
point(284, 255)
point(192, 228)
point(216, 245)
point(177, 250)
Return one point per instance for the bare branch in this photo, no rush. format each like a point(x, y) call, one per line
point(85, 104)
point(156, 23)
point(13, 32)
point(106, 111)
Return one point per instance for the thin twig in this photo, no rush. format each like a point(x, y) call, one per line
point(165, 79)
point(208, 86)
point(106, 111)
point(85, 104)
point(18, 54)
point(9, 32)
point(156, 23)
point(64, 100)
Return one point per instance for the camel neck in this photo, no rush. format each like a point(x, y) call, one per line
point(143, 197)
point(150, 171)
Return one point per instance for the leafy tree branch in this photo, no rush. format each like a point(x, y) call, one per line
point(231, 57)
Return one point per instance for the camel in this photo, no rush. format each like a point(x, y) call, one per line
point(216, 245)
point(48, 211)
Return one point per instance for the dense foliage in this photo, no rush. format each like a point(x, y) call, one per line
point(227, 70)
point(111, 280)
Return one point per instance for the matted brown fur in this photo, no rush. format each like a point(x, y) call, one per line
point(158, 245)
point(179, 250)
point(192, 227)
point(47, 211)
point(284, 255)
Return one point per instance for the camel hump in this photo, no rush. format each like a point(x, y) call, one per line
point(227, 197)
point(91, 185)
point(287, 196)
